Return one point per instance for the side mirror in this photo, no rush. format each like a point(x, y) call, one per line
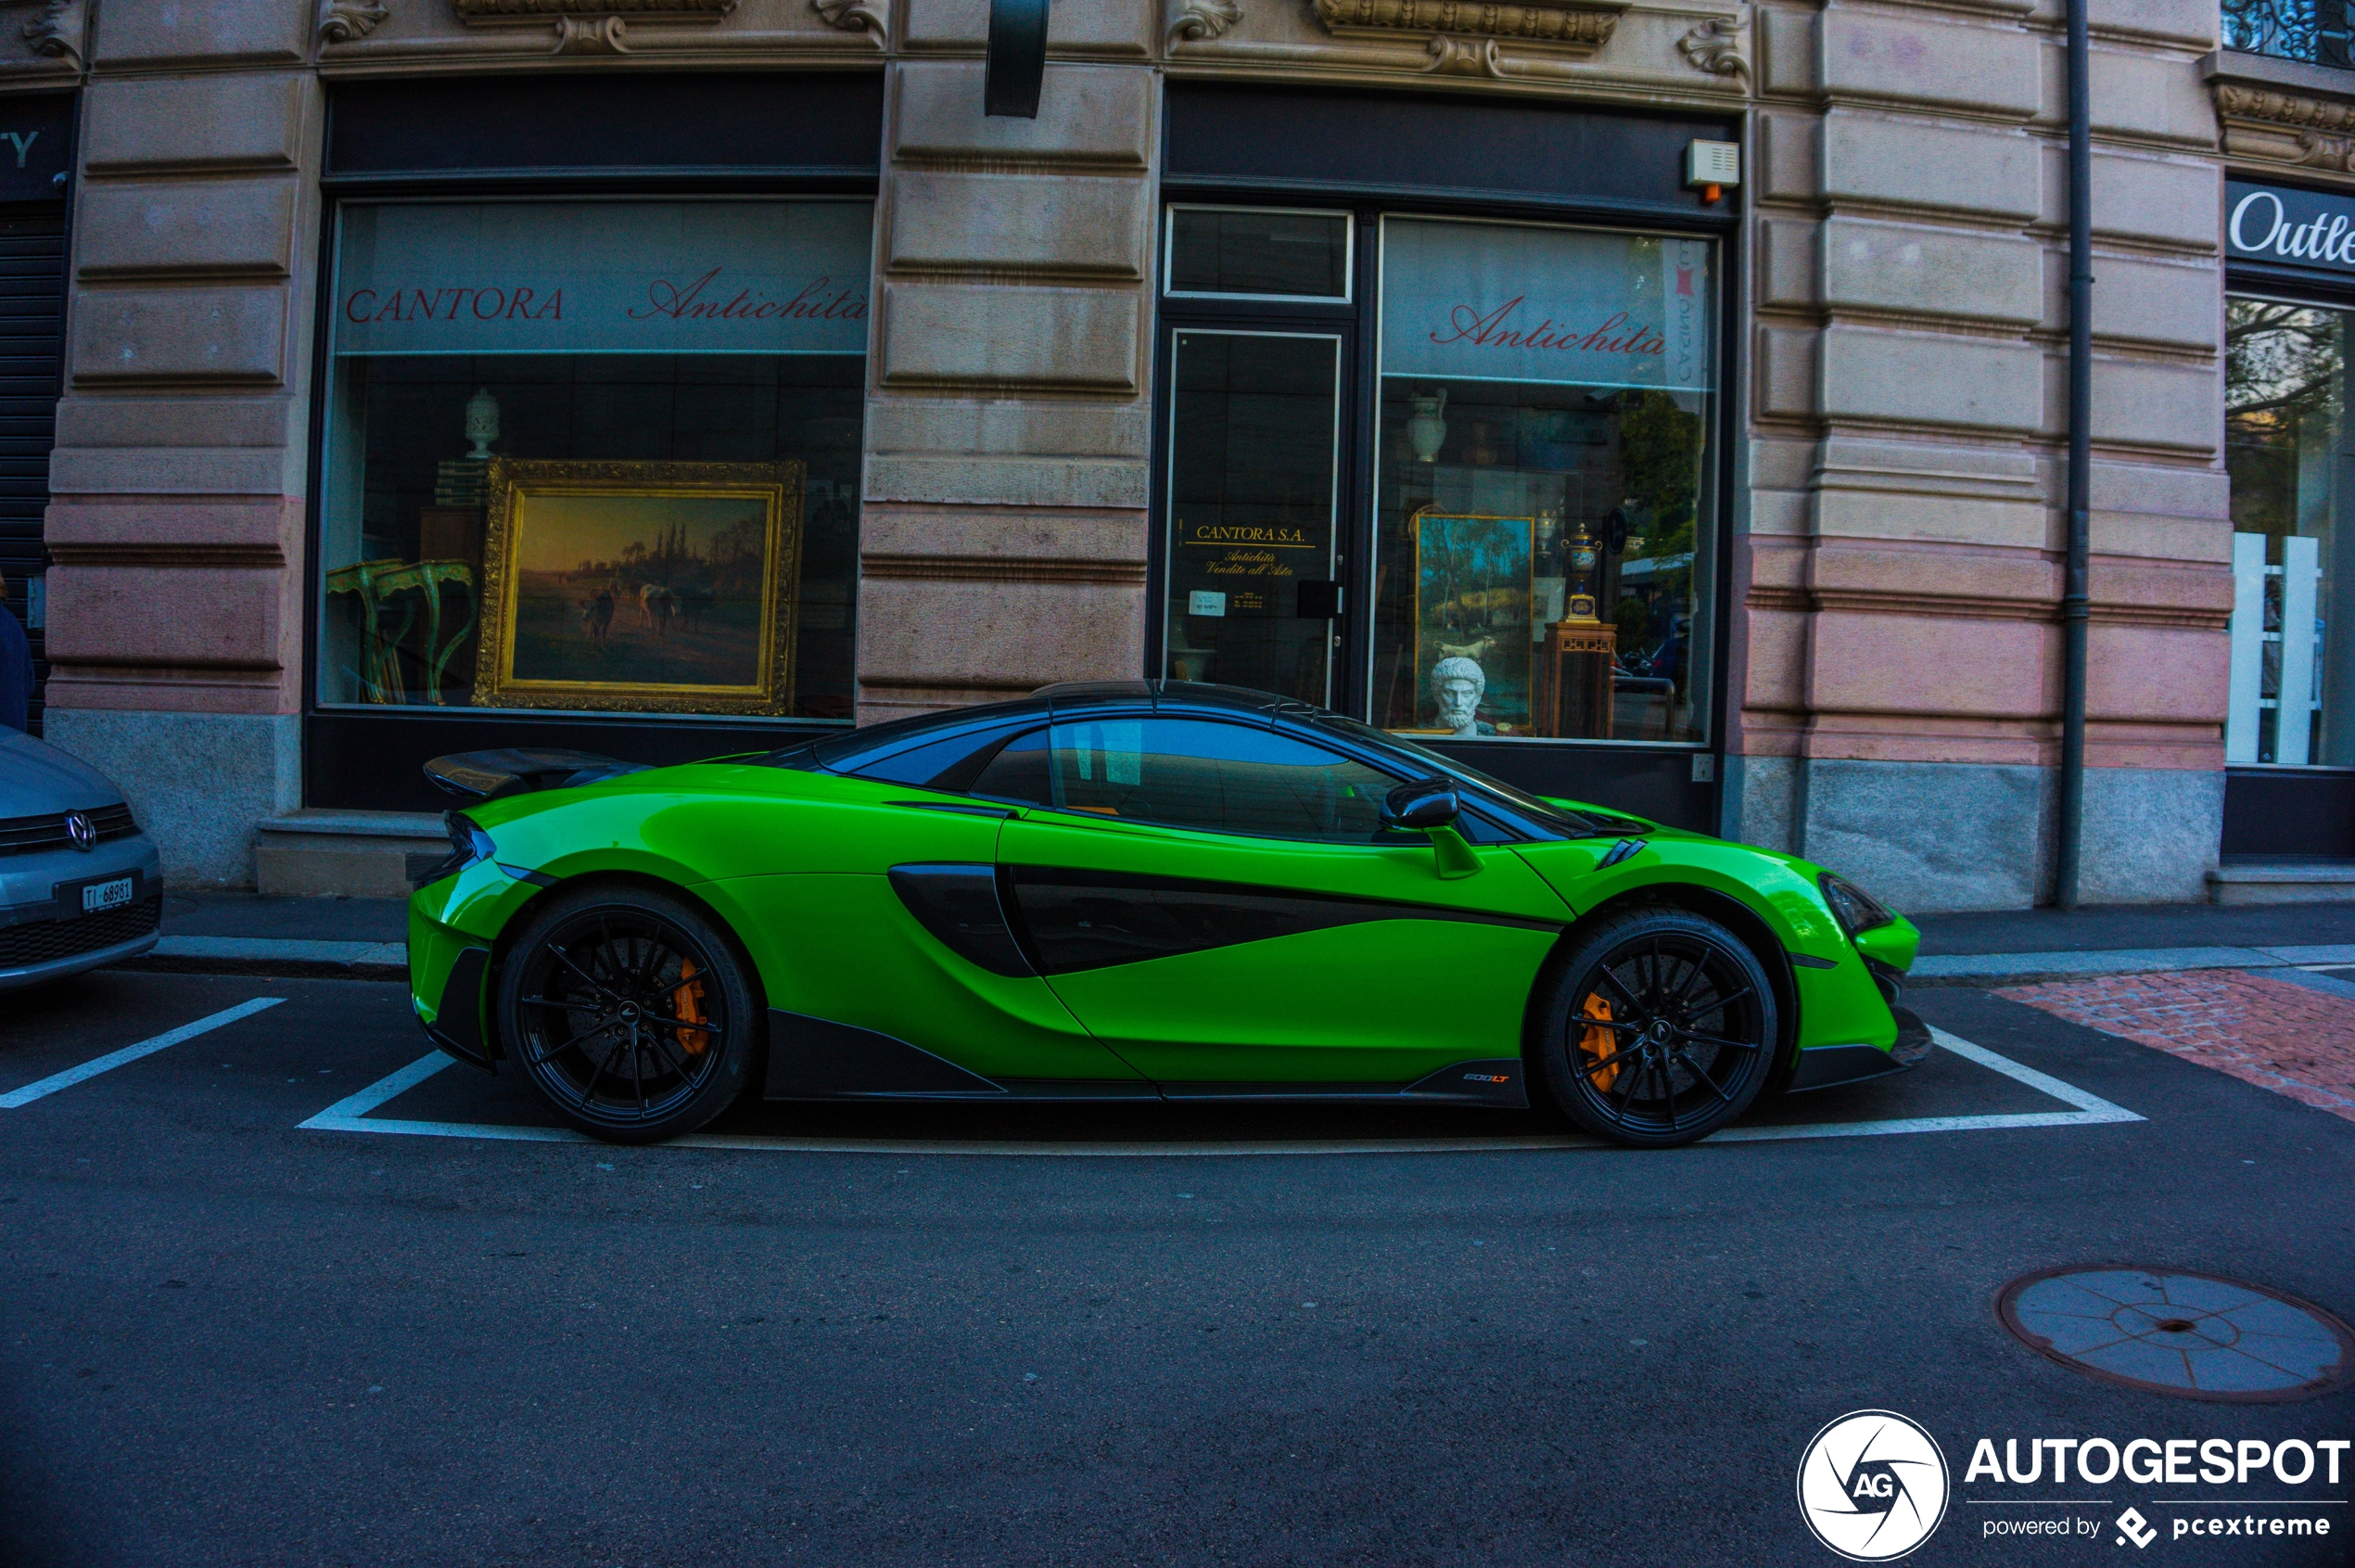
point(1421, 805)
point(1431, 806)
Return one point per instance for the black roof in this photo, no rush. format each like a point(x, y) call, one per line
point(855, 751)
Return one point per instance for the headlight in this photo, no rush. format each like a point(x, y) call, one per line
point(1857, 911)
point(468, 846)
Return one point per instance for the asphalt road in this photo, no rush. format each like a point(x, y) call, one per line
point(230, 1340)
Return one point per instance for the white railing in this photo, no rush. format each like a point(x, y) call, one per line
point(2276, 648)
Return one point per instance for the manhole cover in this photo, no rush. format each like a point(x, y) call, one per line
point(2169, 1331)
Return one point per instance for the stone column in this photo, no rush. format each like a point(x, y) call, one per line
point(1900, 704)
point(1004, 539)
point(176, 600)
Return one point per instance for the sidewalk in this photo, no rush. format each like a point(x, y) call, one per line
point(2311, 945)
point(2305, 944)
point(244, 933)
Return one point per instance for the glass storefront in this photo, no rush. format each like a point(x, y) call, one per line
point(1541, 566)
point(594, 457)
point(2291, 455)
point(1529, 515)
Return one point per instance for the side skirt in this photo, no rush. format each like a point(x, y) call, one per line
point(818, 1059)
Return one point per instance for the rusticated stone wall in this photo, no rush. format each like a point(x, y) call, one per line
point(1003, 540)
point(177, 519)
point(1899, 645)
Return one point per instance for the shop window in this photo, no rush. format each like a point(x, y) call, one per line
point(594, 456)
point(1545, 561)
point(2288, 448)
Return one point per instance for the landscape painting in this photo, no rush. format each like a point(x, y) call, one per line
point(1472, 602)
point(664, 587)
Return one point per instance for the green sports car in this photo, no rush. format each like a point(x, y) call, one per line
point(1149, 890)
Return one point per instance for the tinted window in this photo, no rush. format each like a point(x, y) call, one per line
point(1258, 251)
point(1220, 778)
point(1018, 773)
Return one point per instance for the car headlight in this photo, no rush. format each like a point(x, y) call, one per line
point(468, 846)
point(1857, 911)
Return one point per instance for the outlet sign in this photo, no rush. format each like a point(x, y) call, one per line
point(2283, 227)
point(36, 146)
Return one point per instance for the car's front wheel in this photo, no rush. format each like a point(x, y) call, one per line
point(629, 1013)
point(1657, 1029)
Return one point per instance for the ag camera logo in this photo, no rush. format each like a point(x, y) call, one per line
point(1873, 1485)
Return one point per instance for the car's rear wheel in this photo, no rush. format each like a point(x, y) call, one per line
point(629, 1013)
point(1658, 1029)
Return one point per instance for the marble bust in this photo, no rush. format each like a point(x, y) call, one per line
point(1457, 686)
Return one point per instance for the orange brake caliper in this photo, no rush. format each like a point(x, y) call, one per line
point(688, 996)
point(1601, 1044)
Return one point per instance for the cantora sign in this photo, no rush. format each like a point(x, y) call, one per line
point(604, 278)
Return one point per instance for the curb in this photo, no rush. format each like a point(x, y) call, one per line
point(291, 960)
point(2034, 969)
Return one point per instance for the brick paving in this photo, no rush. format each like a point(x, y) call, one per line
point(2278, 1036)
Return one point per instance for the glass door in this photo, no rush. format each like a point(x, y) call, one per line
point(1254, 484)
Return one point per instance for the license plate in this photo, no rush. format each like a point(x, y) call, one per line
point(105, 895)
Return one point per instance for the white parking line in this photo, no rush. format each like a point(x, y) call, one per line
point(113, 1059)
point(351, 1115)
point(2091, 1109)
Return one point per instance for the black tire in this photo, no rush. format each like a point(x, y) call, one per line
point(1672, 1022)
point(629, 1012)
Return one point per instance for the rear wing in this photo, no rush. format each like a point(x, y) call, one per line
point(488, 775)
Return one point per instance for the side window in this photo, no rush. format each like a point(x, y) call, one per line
point(1220, 778)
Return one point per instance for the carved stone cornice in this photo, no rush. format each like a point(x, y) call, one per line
point(1719, 46)
point(59, 33)
point(2295, 110)
point(1194, 22)
point(1577, 27)
point(347, 22)
point(2282, 111)
point(870, 17)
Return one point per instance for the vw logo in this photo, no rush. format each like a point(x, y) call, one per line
point(1872, 1485)
point(79, 829)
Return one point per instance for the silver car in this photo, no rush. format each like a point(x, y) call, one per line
point(80, 884)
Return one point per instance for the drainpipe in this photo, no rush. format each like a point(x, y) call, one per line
point(2075, 600)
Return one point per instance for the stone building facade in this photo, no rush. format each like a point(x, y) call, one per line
point(1826, 524)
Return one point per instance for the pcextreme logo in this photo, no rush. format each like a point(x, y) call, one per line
point(1872, 1485)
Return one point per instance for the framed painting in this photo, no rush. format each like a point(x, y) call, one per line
point(640, 587)
point(1471, 618)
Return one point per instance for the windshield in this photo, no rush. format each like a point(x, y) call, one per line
point(1575, 825)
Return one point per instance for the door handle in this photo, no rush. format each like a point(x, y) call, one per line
point(1317, 598)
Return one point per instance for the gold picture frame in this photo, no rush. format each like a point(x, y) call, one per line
point(1481, 565)
point(640, 587)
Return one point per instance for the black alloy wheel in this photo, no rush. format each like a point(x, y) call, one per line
point(1659, 1028)
point(627, 1013)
